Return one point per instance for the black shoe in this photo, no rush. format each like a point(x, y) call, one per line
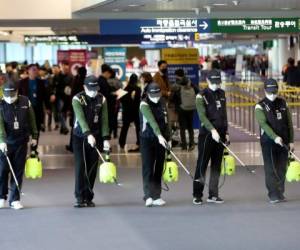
point(191, 147)
point(69, 148)
point(197, 201)
point(56, 127)
point(79, 204)
point(174, 143)
point(216, 200)
point(282, 198)
point(64, 131)
point(43, 128)
point(90, 204)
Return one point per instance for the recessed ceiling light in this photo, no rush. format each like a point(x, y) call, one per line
point(116, 10)
point(4, 33)
point(220, 4)
point(236, 3)
point(285, 8)
point(134, 5)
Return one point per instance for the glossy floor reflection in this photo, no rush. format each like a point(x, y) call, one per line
point(54, 154)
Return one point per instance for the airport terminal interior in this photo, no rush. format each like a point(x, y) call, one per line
point(114, 89)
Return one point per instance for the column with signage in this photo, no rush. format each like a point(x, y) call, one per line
point(116, 58)
point(75, 58)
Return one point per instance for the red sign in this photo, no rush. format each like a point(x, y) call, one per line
point(76, 58)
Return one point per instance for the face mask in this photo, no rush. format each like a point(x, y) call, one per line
point(213, 87)
point(10, 99)
point(271, 97)
point(154, 99)
point(91, 93)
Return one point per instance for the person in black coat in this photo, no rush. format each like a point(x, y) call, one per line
point(107, 91)
point(130, 106)
point(34, 88)
point(291, 75)
point(77, 87)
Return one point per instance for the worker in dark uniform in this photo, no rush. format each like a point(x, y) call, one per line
point(275, 121)
point(17, 124)
point(155, 134)
point(90, 128)
point(211, 108)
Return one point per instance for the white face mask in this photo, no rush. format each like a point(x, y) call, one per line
point(10, 99)
point(271, 97)
point(213, 87)
point(154, 99)
point(90, 93)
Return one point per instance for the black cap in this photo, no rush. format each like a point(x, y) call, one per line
point(154, 90)
point(91, 82)
point(214, 76)
point(271, 86)
point(9, 88)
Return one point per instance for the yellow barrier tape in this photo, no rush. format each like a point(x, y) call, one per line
point(249, 104)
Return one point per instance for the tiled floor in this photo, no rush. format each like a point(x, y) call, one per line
point(120, 221)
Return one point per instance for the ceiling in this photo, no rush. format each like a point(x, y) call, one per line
point(86, 20)
point(188, 8)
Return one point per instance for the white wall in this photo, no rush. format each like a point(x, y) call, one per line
point(77, 5)
point(35, 9)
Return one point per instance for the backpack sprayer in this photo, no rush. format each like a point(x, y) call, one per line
point(107, 170)
point(228, 164)
point(170, 173)
point(172, 167)
point(252, 171)
point(33, 166)
point(293, 170)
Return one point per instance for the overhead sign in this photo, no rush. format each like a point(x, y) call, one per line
point(54, 40)
point(188, 26)
point(154, 26)
point(116, 58)
point(257, 25)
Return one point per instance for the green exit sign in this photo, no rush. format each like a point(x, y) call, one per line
point(255, 25)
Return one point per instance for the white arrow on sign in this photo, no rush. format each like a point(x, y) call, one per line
point(204, 25)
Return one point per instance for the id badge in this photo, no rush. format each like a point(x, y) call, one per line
point(218, 103)
point(279, 115)
point(34, 95)
point(16, 125)
point(96, 118)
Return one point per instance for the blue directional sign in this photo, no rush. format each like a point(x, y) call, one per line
point(154, 26)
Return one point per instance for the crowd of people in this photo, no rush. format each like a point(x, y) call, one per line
point(51, 89)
